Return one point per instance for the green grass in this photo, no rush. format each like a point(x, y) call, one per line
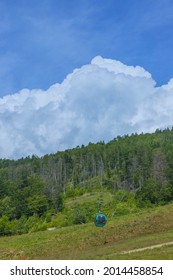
point(92, 197)
point(132, 231)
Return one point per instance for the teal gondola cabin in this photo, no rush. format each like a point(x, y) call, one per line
point(100, 220)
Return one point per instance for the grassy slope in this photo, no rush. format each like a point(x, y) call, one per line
point(135, 230)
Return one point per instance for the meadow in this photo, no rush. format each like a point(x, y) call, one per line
point(136, 229)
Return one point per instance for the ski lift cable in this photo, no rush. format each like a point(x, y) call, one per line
point(100, 219)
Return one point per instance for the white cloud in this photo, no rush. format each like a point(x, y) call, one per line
point(96, 102)
point(155, 111)
point(117, 67)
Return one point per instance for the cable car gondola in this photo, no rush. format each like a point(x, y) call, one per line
point(100, 220)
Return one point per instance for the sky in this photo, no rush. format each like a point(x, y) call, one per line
point(80, 71)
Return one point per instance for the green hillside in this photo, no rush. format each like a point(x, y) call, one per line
point(136, 230)
point(129, 179)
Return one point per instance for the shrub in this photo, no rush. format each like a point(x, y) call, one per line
point(5, 226)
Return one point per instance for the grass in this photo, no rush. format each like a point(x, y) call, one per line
point(92, 197)
point(132, 231)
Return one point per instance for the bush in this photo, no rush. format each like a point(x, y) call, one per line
point(19, 226)
point(5, 226)
point(79, 218)
point(60, 220)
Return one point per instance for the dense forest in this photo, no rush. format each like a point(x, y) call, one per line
point(33, 189)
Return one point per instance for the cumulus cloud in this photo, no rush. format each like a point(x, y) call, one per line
point(156, 110)
point(96, 102)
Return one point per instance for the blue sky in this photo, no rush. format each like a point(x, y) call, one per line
point(41, 41)
point(80, 71)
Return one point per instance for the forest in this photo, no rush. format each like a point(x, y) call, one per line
point(136, 169)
